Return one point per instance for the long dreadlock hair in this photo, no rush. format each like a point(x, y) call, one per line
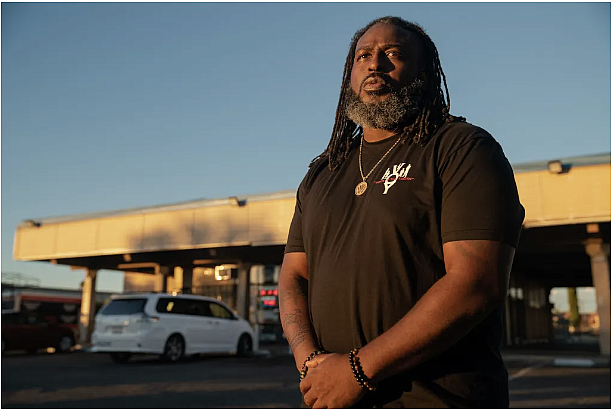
point(435, 111)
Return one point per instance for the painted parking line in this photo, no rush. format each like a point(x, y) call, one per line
point(526, 370)
point(576, 362)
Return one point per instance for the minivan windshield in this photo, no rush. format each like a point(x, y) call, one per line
point(124, 307)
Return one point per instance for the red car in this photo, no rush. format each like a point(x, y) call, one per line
point(30, 332)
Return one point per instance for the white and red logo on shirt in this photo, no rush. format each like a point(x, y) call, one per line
point(392, 175)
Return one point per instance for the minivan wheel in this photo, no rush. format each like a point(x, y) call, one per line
point(174, 349)
point(120, 357)
point(245, 346)
point(65, 343)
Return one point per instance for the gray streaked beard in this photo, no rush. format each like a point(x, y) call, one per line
point(402, 105)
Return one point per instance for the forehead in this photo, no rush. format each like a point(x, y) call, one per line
point(385, 33)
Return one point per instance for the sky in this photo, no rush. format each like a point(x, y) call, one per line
point(109, 106)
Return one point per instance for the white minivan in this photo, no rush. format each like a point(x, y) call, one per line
point(172, 326)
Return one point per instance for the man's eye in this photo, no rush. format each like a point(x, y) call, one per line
point(362, 56)
point(393, 53)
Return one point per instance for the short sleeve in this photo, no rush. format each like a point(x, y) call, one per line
point(295, 242)
point(479, 195)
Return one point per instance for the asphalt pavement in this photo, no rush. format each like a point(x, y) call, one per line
point(269, 380)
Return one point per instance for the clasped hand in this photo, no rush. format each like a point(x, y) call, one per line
point(330, 383)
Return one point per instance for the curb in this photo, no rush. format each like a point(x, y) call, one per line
point(582, 362)
point(595, 361)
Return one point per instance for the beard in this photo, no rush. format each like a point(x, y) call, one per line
point(399, 107)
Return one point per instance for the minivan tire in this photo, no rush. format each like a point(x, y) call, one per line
point(174, 349)
point(245, 346)
point(120, 357)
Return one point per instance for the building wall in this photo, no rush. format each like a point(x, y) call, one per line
point(138, 282)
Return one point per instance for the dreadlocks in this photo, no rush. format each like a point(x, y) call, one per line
point(434, 112)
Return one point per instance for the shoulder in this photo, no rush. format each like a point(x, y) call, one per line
point(454, 136)
point(316, 167)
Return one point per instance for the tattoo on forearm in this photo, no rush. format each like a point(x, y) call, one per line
point(293, 302)
point(293, 318)
point(296, 328)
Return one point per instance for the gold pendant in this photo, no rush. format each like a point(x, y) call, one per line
point(361, 188)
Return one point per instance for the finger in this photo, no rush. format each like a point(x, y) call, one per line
point(319, 405)
point(308, 401)
point(317, 361)
point(305, 385)
point(312, 364)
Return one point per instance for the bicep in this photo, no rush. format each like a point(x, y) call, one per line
point(485, 264)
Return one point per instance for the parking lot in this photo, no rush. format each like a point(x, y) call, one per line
point(87, 380)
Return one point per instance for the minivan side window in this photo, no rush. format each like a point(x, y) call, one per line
point(219, 311)
point(165, 305)
point(182, 306)
point(198, 308)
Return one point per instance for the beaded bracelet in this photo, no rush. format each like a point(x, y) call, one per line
point(310, 357)
point(361, 378)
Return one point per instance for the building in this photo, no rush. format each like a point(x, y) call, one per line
point(232, 247)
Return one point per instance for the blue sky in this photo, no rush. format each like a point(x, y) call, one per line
point(117, 105)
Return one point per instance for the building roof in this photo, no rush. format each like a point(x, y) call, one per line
point(575, 161)
point(190, 204)
point(601, 158)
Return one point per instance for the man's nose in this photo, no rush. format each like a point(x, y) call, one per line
point(379, 62)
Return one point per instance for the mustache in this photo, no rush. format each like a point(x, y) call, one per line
point(383, 76)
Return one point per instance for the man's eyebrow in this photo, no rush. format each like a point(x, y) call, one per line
point(384, 47)
point(392, 45)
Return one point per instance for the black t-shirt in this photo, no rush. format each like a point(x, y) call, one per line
point(371, 257)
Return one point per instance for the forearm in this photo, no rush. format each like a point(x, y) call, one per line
point(295, 318)
point(446, 313)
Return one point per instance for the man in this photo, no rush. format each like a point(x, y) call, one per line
point(400, 249)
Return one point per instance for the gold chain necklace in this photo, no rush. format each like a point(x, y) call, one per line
point(363, 185)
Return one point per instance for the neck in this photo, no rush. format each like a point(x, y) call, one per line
point(376, 135)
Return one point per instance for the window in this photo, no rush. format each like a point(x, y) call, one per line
point(175, 306)
point(33, 318)
point(8, 303)
point(10, 318)
point(226, 272)
point(270, 275)
point(124, 307)
point(165, 305)
point(219, 311)
point(182, 306)
point(198, 308)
